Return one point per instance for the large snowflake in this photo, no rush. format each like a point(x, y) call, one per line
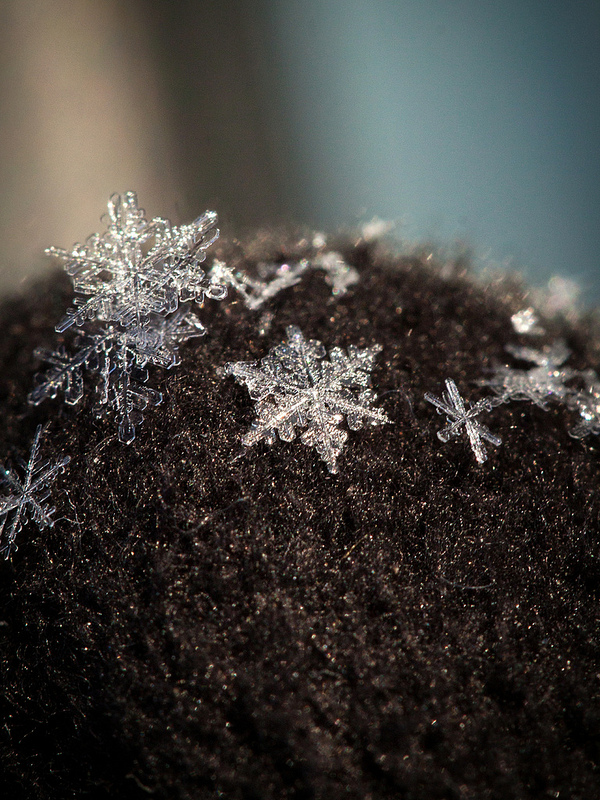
point(133, 284)
point(27, 497)
point(138, 267)
point(295, 387)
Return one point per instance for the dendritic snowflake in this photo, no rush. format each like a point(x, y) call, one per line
point(26, 498)
point(138, 267)
point(526, 321)
point(134, 283)
point(274, 278)
point(544, 382)
point(295, 387)
point(459, 416)
point(120, 370)
point(339, 275)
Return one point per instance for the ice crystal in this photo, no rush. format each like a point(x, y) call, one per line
point(255, 292)
point(543, 382)
point(118, 357)
point(460, 416)
point(138, 267)
point(339, 275)
point(295, 387)
point(526, 321)
point(27, 497)
point(274, 278)
point(134, 283)
point(587, 405)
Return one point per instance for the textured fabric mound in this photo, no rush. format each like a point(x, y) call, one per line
point(212, 620)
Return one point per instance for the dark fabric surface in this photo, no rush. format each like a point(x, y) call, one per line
point(208, 620)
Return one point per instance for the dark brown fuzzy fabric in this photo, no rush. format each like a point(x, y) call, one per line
point(206, 620)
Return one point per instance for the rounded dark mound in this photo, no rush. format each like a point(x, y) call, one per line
point(209, 620)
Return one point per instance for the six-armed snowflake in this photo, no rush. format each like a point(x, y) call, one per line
point(134, 284)
point(27, 498)
point(295, 387)
point(459, 416)
point(138, 267)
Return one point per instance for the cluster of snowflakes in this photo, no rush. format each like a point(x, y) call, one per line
point(135, 287)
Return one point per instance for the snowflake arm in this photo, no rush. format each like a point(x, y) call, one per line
point(459, 416)
point(274, 278)
point(295, 387)
point(115, 357)
point(255, 292)
point(27, 498)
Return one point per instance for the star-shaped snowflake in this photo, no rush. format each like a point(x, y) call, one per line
point(27, 498)
point(138, 267)
point(134, 283)
point(544, 382)
point(295, 387)
point(459, 416)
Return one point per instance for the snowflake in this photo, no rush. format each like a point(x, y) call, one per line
point(587, 405)
point(138, 267)
point(545, 381)
point(119, 358)
point(274, 278)
point(526, 321)
point(256, 291)
point(339, 275)
point(294, 387)
point(27, 498)
point(458, 416)
point(137, 277)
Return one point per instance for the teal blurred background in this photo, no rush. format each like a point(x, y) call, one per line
point(459, 120)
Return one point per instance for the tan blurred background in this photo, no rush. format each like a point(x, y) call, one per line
point(100, 96)
point(461, 120)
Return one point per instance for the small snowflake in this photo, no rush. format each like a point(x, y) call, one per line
point(294, 387)
point(118, 358)
point(459, 416)
point(339, 275)
point(587, 405)
point(27, 498)
point(274, 278)
point(544, 382)
point(526, 321)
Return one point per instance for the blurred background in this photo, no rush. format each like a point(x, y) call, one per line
point(458, 120)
